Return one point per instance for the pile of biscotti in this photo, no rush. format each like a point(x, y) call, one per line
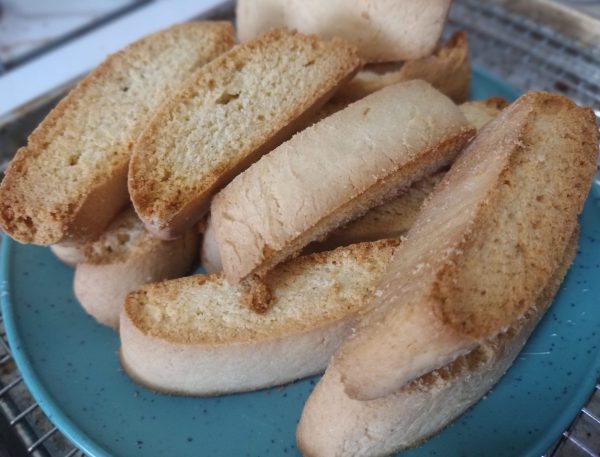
point(356, 213)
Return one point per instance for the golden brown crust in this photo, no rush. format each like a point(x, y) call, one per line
point(537, 261)
point(389, 220)
point(370, 256)
point(256, 295)
point(39, 205)
point(165, 197)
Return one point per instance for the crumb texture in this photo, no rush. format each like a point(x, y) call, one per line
point(85, 141)
point(227, 115)
point(308, 292)
point(527, 222)
point(124, 235)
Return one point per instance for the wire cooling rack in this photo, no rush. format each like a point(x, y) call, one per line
point(532, 56)
point(519, 50)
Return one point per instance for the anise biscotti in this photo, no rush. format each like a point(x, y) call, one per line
point(123, 259)
point(447, 69)
point(333, 424)
point(333, 172)
point(482, 248)
point(240, 106)
point(394, 218)
point(390, 220)
point(70, 180)
point(383, 30)
point(193, 335)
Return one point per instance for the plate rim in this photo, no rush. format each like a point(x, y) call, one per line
point(87, 444)
point(36, 387)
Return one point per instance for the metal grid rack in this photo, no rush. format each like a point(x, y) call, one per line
point(515, 48)
point(530, 56)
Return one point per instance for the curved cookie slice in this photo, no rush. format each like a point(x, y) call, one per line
point(483, 247)
point(231, 112)
point(333, 172)
point(390, 220)
point(70, 180)
point(193, 335)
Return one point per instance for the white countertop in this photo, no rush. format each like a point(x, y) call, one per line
point(25, 25)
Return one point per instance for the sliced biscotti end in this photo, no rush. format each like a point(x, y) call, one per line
point(447, 69)
point(125, 235)
point(555, 164)
point(193, 336)
point(125, 258)
point(373, 149)
point(239, 107)
point(486, 241)
point(307, 293)
point(480, 112)
point(70, 180)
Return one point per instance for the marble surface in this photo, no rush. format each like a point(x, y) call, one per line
point(26, 25)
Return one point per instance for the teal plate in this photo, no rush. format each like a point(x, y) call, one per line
point(70, 365)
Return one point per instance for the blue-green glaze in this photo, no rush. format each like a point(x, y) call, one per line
point(70, 365)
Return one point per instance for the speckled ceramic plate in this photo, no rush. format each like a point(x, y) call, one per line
point(69, 363)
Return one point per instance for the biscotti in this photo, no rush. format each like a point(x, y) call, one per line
point(483, 247)
point(390, 220)
point(383, 30)
point(193, 336)
point(332, 423)
point(447, 69)
point(393, 219)
point(232, 111)
point(70, 180)
point(123, 259)
point(333, 172)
